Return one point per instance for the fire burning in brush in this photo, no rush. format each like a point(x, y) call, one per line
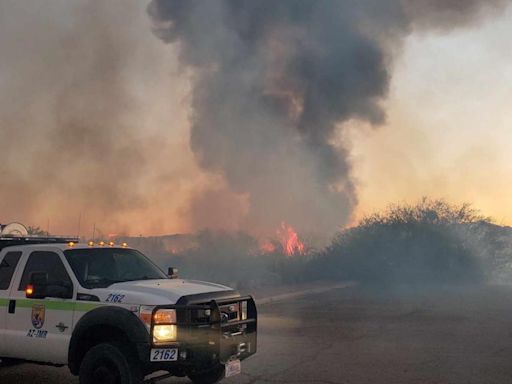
point(290, 240)
point(287, 240)
point(267, 246)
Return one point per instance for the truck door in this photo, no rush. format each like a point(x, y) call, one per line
point(40, 329)
point(8, 263)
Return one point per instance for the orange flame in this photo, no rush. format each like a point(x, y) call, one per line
point(267, 247)
point(290, 240)
point(287, 241)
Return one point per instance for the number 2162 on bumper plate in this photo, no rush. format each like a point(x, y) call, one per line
point(164, 354)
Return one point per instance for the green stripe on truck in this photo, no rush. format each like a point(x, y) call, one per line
point(4, 302)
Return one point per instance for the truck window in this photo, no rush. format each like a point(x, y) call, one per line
point(51, 263)
point(7, 268)
point(100, 268)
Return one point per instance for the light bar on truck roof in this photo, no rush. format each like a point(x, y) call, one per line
point(110, 243)
point(10, 241)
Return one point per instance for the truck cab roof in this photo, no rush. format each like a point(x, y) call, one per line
point(87, 260)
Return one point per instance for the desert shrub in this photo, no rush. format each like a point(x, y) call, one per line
point(414, 244)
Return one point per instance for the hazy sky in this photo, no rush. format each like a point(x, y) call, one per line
point(448, 131)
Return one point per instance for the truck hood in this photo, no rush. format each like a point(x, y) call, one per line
point(157, 292)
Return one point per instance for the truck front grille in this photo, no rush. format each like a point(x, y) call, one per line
point(230, 312)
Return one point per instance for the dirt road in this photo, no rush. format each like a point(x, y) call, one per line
point(354, 336)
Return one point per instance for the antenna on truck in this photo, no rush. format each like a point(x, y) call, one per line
point(79, 224)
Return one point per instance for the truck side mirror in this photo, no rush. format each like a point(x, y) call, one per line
point(38, 282)
point(172, 272)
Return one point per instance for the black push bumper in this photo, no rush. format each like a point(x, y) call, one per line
point(210, 333)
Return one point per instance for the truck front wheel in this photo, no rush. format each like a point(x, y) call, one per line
point(109, 364)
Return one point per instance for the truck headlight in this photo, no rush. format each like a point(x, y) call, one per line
point(165, 333)
point(165, 316)
point(165, 329)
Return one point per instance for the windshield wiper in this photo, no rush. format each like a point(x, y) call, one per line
point(143, 278)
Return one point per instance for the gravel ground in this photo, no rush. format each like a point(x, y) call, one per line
point(351, 335)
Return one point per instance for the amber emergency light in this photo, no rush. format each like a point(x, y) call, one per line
point(29, 291)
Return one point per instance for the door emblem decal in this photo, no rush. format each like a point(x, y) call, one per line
point(38, 314)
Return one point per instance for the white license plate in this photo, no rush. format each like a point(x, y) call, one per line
point(164, 354)
point(233, 367)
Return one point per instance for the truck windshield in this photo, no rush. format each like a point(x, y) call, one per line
point(100, 268)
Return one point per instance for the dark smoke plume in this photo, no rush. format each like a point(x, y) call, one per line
point(273, 82)
point(68, 139)
point(80, 82)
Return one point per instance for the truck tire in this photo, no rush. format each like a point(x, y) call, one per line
point(110, 363)
point(209, 377)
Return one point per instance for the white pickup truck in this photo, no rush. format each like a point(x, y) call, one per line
point(112, 316)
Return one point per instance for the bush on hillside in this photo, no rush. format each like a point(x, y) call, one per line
point(414, 244)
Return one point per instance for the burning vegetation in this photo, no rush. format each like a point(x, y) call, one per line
point(286, 241)
point(290, 241)
point(430, 242)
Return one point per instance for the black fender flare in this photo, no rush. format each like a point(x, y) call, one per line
point(117, 317)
